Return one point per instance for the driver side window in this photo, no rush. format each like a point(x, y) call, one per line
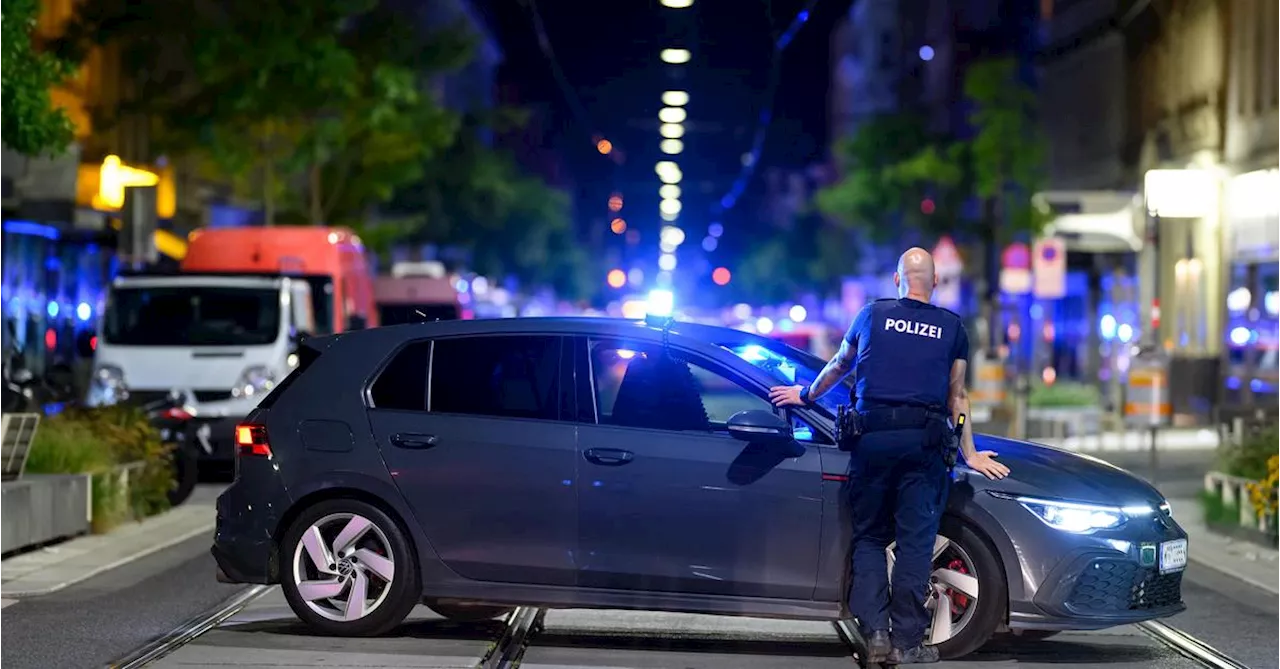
point(647, 387)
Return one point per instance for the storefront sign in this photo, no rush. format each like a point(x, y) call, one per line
point(102, 186)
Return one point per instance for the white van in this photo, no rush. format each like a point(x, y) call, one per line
point(226, 338)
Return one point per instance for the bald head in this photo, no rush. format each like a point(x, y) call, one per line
point(915, 276)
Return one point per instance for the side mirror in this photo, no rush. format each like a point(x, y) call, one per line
point(84, 344)
point(761, 427)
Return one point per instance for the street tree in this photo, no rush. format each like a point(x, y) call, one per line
point(476, 199)
point(1006, 163)
point(890, 166)
point(315, 107)
point(31, 124)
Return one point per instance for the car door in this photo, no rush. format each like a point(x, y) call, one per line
point(470, 429)
point(669, 501)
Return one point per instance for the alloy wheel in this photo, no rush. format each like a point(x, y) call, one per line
point(343, 567)
point(953, 589)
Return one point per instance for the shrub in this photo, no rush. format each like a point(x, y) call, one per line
point(1065, 394)
point(1263, 493)
point(95, 442)
point(1251, 457)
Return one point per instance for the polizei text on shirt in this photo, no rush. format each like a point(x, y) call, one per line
point(912, 327)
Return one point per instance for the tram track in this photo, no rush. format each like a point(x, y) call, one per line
point(522, 627)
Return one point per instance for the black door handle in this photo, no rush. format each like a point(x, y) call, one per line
point(610, 457)
point(413, 440)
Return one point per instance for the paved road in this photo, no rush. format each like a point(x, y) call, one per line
point(265, 634)
point(93, 622)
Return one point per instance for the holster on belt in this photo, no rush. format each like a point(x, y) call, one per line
point(851, 425)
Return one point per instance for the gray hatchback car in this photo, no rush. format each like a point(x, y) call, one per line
point(475, 466)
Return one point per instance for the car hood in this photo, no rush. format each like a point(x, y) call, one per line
point(1044, 471)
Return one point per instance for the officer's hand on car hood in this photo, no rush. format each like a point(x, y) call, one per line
point(984, 462)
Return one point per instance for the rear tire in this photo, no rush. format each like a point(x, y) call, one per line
point(468, 613)
point(380, 548)
point(186, 473)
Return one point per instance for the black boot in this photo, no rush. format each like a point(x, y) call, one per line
point(921, 654)
point(878, 646)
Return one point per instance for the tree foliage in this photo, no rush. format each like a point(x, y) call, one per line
point(322, 98)
point(31, 124)
point(891, 164)
point(478, 199)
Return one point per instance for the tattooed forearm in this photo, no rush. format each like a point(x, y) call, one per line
point(836, 369)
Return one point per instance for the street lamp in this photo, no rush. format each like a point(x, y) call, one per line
point(672, 115)
point(675, 98)
point(670, 207)
point(677, 4)
point(669, 192)
point(671, 130)
point(672, 146)
point(675, 56)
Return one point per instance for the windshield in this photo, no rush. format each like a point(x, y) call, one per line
point(790, 366)
point(192, 316)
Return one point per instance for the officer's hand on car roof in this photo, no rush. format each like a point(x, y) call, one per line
point(786, 396)
point(984, 462)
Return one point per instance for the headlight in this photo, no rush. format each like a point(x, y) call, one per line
point(1074, 517)
point(108, 386)
point(253, 381)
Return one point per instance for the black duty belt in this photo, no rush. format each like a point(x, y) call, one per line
point(898, 418)
point(851, 425)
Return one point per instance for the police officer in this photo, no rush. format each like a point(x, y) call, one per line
point(909, 359)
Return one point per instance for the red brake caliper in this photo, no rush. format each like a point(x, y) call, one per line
point(959, 600)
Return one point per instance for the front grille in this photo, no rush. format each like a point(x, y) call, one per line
point(1116, 586)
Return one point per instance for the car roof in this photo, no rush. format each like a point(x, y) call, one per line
point(694, 335)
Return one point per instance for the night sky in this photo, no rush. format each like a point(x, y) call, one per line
point(608, 52)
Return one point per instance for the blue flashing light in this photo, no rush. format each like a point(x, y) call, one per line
point(1241, 336)
point(661, 303)
point(52, 309)
point(84, 312)
point(1233, 383)
point(926, 53)
point(715, 229)
point(709, 244)
point(33, 229)
point(1037, 311)
point(1107, 327)
point(1125, 332)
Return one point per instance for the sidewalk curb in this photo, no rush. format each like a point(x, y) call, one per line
point(87, 574)
point(1272, 588)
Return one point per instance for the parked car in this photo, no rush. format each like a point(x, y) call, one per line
point(480, 465)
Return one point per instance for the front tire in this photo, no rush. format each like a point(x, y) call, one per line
point(968, 595)
point(347, 569)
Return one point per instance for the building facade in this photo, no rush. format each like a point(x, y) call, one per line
point(1251, 207)
point(1174, 105)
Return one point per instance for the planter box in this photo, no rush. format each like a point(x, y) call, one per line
point(41, 508)
point(1233, 491)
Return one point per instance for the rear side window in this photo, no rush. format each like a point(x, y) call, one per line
point(502, 376)
point(306, 356)
point(402, 385)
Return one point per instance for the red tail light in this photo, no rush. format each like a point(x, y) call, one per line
point(251, 440)
point(177, 413)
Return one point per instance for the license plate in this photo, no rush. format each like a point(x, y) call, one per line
point(1173, 556)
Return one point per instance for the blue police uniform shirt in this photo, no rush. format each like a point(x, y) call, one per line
point(905, 350)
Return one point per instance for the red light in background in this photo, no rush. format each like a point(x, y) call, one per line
point(927, 206)
point(50, 338)
point(721, 276)
point(93, 343)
